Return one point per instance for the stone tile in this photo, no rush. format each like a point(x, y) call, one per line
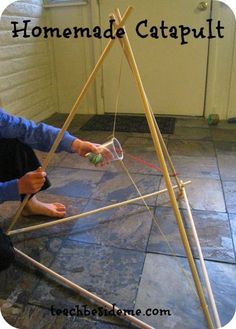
point(7, 211)
point(55, 162)
point(164, 286)
point(73, 183)
point(39, 318)
point(105, 253)
point(57, 119)
point(118, 187)
point(191, 133)
point(130, 159)
point(14, 305)
point(125, 227)
point(203, 194)
point(93, 136)
point(230, 196)
point(73, 161)
point(226, 135)
point(227, 167)
point(79, 120)
point(16, 285)
point(213, 231)
point(191, 148)
point(10, 314)
point(42, 249)
point(142, 160)
point(99, 137)
point(139, 141)
point(111, 273)
point(146, 136)
point(73, 206)
point(225, 148)
point(222, 278)
point(192, 123)
point(125, 325)
point(196, 166)
point(226, 154)
point(223, 124)
point(140, 155)
point(43, 244)
point(232, 218)
point(8, 208)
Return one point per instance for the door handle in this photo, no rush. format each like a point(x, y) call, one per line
point(203, 5)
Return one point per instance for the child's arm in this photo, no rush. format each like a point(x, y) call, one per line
point(30, 183)
point(9, 191)
point(38, 136)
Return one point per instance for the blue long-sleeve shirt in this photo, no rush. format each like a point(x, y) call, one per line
point(38, 136)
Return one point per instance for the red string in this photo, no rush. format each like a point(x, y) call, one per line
point(147, 164)
point(144, 162)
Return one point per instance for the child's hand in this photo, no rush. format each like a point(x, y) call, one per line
point(31, 182)
point(85, 148)
point(82, 147)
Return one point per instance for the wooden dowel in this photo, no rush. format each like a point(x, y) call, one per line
point(83, 292)
point(202, 262)
point(18, 212)
point(166, 153)
point(161, 158)
point(72, 113)
point(163, 145)
point(88, 213)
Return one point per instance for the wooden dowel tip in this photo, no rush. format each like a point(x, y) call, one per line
point(88, 213)
point(87, 294)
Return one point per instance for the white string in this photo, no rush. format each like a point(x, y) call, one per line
point(154, 220)
point(152, 216)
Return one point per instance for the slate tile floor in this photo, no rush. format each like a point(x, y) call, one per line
point(120, 254)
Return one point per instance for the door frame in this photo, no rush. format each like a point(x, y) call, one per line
point(220, 80)
point(221, 72)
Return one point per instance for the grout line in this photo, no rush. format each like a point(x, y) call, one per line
point(146, 251)
point(196, 258)
point(224, 196)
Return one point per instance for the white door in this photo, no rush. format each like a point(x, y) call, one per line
point(174, 75)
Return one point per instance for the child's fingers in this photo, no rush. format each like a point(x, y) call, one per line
point(38, 175)
point(94, 149)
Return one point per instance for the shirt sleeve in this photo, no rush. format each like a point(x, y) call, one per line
point(9, 191)
point(39, 136)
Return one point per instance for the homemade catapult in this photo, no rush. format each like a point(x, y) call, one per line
point(165, 164)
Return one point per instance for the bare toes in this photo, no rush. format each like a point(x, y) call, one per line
point(59, 204)
point(60, 209)
point(59, 214)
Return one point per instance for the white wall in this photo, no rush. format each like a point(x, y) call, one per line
point(221, 96)
point(73, 58)
point(27, 85)
point(232, 94)
point(39, 77)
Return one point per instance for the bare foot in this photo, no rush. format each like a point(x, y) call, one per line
point(36, 207)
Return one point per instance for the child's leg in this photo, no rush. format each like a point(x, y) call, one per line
point(7, 253)
point(16, 159)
